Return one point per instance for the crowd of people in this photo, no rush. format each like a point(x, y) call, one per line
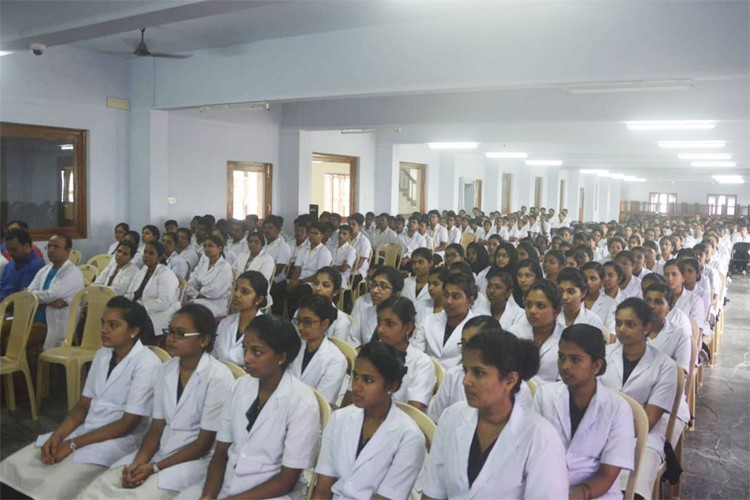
point(536, 323)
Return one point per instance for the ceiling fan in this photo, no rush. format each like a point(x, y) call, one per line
point(142, 50)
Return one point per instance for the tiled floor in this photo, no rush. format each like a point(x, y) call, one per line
point(717, 455)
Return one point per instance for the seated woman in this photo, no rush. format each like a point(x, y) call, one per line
point(327, 283)
point(434, 304)
point(596, 300)
point(647, 375)
point(527, 273)
point(156, 287)
point(438, 335)
point(552, 264)
point(386, 282)
point(371, 449)
point(257, 259)
point(479, 259)
point(574, 287)
point(613, 276)
point(119, 276)
point(395, 327)
point(452, 388)
point(605, 444)
point(174, 261)
point(489, 446)
point(319, 364)
point(210, 282)
point(499, 294)
point(540, 325)
point(120, 230)
point(248, 298)
point(416, 287)
point(270, 424)
point(190, 392)
point(106, 424)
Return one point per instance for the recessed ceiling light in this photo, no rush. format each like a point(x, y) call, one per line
point(691, 144)
point(632, 178)
point(672, 125)
point(713, 164)
point(617, 176)
point(729, 179)
point(592, 171)
point(495, 154)
point(66, 147)
point(544, 163)
point(704, 156)
point(453, 145)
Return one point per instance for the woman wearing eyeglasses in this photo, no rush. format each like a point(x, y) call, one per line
point(106, 424)
point(386, 282)
point(319, 363)
point(191, 390)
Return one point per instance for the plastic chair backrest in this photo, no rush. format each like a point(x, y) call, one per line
point(160, 353)
point(75, 256)
point(348, 351)
point(392, 253)
point(679, 394)
point(325, 408)
point(532, 387)
point(640, 424)
point(76, 303)
point(439, 374)
point(182, 286)
point(237, 371)
point(96, 299)
point(100, 261)
point(425, 423)
point(468, 238)
point(89, 272)
point(24, 308)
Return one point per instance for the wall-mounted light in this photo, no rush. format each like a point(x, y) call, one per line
point(370, 130)
point(728, 179)
point(235, 106)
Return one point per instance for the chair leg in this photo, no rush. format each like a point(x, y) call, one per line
point(675, 493)
point(10, 393)
point(42, 370)
point(73, 381)
point(32, 398)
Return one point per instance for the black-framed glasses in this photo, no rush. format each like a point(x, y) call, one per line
point(380, 285)
point(305, 322)
point(179, 335)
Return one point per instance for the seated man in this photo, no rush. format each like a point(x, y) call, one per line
point(19, 272)
point(18, 224)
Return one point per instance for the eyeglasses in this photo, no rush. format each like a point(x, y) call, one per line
point(305, 322)
point(372, 284)
point(178, 335)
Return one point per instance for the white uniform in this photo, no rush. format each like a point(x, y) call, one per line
point(344, 254)
point(410, 292)
point(325, 371)
point(281, 254)
point(605, 307)
point(178, 265)
point(419, 381)
point(692, 305)
point(309, 260)
point(66, 283)
point(585, 317)
point(512, 314)
point(411, 243)
point(379, 238)
point(227, 346)
point(263, 263)
point(199, 407)
point(675, 343)
point(365, 320)
point(633, 288)
point(547, 351)
point(128, 389)
point(159, 297)
point(388, 464)
point(213, 284)
point(190, 256)
point(604, 434)
point(364, 249)
point(481, 280)
point(122, 280)
point(429, 336)
point(452, 391)
point(526, 461)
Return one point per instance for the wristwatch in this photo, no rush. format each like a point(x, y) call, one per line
point(155, 468)
point(73, 446)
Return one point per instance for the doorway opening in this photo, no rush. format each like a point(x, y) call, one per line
point(411, 187)
point(249, 189)
point(334, 183)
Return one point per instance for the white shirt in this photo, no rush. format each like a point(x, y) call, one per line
point(128, 389)
point(213, 284)
point(675, 342)
point(379, 238)
point(159, 297)
point(547, 351)
point(388, 464)
point(199, 407)
point(190, 256)
point(344, 254)
point(428, 337)
point(439, 237)
point(263, 263)
point(281, 254)
point(365, 319)
point(633, 289)
point(604, 434)
point(692, 305)
point(411, 243)
point(585, 317)
point(511, 315)
point(122, 279)
point(325, 371)
point(284, 434)
point(309, 260)
point(66, 283)
point(410, 292)
point(227, 346)
point(178, 265)
point(363, 247)
point(526, 461)
point(454, 235)
point(238, 247)
point(604, 307)
point(419, 381)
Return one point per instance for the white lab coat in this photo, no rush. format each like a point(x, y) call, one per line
point(364, 322)
point(512, 314)
point(604, 435)
point(527, 460)
point(159, 297)
point(190, 256)
point(452, 391)
point(66, 283)
point(263, 263)
point(585, 317)
point(419, 381)
point(692, 305)
point(129, 389)
point(122, 280)
point(633, 288)
point(410, 292)
point(178, 265)
point(388, 464)
point(199, 407)
point(227, 346)
point(428, 338)
point(604, 307)
point(214, 285)
point(547, 351)
point(652, 382)
point(325, 371)
point(284, 434)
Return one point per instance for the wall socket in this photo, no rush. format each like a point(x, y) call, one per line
point(171, 200)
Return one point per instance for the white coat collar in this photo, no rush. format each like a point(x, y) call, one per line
point(562, 407)
point(273, 403)
point(135, 351)
point(381, 437)
point(644, 364)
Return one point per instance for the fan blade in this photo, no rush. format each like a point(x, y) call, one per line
point(170, 56)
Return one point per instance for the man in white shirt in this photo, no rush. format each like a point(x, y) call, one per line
point(362, 246)
point(454, 232)
point(411, 239)
point(382, 235)
point(438, 233)
point(307, 263)
point(185, 249)
point(344, 254)
point(741, 236)
point(237, 241)
point(422, 228)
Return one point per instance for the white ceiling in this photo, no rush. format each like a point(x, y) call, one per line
point(537, 116)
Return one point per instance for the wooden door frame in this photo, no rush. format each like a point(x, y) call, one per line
point(267, 184)
point(422, 181)
point(353, 162)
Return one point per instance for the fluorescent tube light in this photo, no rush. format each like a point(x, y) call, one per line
point(453, 145)
point(5, 52)
point(672, 125)
point(617, 176)
point(704, 156)
point(370, 130)
point(520, 156)
point(235, 106)
point(632, 178)
point(691, 144)
point(728, 179)
point(544, 163)
point(592, 171)
point(628, 86)
point(713, 164)
point(66, 147)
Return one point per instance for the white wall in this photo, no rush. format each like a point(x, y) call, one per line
point(420, 153)
point(687, 192)
point(50, 90)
